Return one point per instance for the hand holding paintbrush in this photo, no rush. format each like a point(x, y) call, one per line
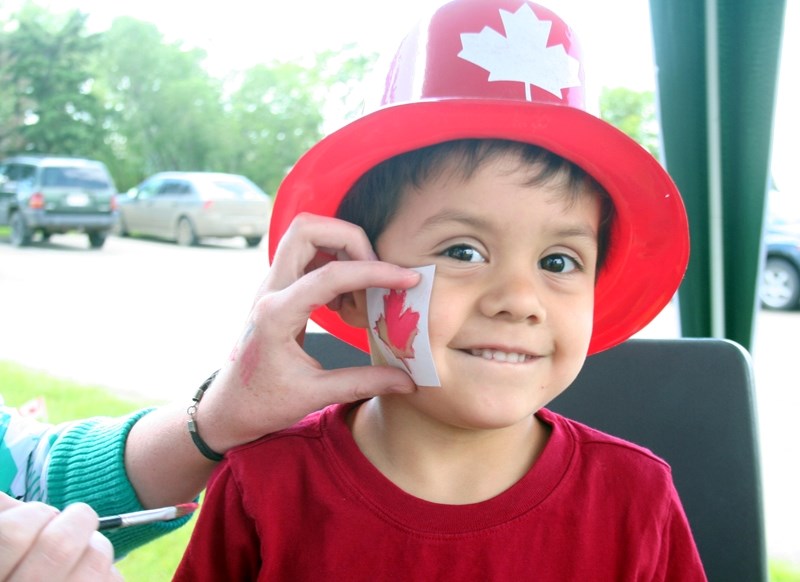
point(146, 516)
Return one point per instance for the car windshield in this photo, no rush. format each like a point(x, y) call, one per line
point(87, 177)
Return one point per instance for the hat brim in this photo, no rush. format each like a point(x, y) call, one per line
point(649, 248)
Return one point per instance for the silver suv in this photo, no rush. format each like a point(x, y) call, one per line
point(48, 194)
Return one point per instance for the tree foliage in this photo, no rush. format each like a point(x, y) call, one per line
point(52, 105)
point(163, 109)
point(275, 116)
point(143, 104)
point(634, 113)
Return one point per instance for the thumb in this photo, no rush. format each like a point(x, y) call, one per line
point(359, 383)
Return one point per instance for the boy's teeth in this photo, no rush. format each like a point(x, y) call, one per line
point(499, 356)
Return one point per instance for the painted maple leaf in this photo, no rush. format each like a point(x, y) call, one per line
point(397, 326)
point(522, 55)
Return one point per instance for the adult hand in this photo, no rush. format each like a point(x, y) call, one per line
point(270, 382)
point(37, 542)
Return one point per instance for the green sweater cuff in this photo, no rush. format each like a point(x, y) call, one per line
point(87, 463)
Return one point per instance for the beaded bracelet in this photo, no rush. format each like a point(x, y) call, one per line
point(201, 445)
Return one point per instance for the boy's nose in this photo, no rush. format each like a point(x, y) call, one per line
point(514, 295)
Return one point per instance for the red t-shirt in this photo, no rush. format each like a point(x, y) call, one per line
point(305, 504)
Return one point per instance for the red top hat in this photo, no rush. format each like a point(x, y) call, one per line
point(506, 69)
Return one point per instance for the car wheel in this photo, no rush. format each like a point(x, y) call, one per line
point(97, 239)
point(45, 236)
point(20, 233)
point(186, 236)
point(780, 284)
point(253, 241)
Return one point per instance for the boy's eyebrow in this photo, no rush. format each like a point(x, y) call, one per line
point(453, 216)
point(577, 232)
point(569, 231)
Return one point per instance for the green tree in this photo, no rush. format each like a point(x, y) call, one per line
point(44, 63)
point(340, 77)
point(163, 110)
point(142, 104)
point(10, 121)
point(276, 117)
point(634, 113)
point(280, 110)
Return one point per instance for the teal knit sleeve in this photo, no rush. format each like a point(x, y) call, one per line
point(87, 463)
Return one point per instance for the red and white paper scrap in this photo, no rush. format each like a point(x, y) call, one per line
point(399, 324)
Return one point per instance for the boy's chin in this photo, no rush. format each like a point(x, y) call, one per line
point(475, 413)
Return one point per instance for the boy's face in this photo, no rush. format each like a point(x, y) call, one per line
point(512, 302)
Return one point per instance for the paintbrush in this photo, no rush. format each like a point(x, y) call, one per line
point(146, 516)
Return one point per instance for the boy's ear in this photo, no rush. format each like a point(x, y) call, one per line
point(353, 309)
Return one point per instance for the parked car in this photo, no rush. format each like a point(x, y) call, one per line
point(780, 279)
point(53, 194)
point(188, 206)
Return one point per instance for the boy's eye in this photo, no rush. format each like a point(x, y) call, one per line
point(464, 253)
point(559, 263)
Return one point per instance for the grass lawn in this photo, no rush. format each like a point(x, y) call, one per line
point(156, 561)
point(67, 400)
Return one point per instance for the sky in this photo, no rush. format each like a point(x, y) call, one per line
point(237, 34)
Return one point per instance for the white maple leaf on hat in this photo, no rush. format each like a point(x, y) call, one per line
point(522, 55)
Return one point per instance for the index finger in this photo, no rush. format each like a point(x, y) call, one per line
point(292, 306)
point(306, 237)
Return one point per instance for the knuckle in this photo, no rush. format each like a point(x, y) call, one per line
point(265, 307)
point(301, 223)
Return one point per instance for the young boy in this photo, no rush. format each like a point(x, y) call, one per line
point(553, 236)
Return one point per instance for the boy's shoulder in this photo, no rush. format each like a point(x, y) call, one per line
point(593, 449)
point(586, 434)
point(310, 432)
point(308, 427)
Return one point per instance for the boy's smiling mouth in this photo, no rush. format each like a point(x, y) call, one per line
point(511, 357)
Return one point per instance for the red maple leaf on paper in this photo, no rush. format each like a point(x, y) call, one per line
point(397, 326)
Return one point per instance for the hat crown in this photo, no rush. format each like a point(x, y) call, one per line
point(495, 49)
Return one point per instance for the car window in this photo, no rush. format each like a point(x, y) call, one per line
point(26, 175)
point(19, 174)
point(173, 187)
point(148, 189)
point(12, 171)
point(88, 177)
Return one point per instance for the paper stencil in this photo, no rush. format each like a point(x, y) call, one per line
point(398, 321)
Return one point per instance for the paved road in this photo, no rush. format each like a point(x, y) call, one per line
point(151, 319)
point(146, 318)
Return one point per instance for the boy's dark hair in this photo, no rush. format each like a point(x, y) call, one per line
point(372, 200)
